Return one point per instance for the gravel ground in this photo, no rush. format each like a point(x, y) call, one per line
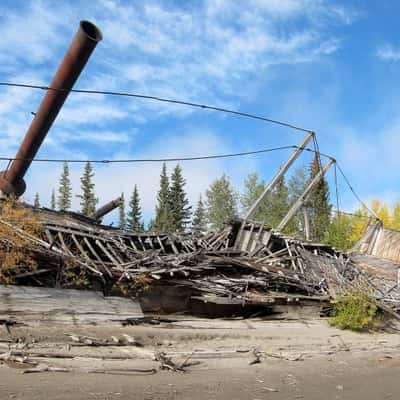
point(299, 360)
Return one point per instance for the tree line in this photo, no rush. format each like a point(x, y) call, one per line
point(222, 202)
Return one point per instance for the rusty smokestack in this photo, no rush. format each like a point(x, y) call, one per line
point(82, 46)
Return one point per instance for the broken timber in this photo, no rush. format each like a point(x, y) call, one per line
point(271, 270)
point(23, 304)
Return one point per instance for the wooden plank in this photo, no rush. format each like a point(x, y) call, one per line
point(141, 243)
point(251, 239)
point(80, 248)
point(91, 249)
point(112, 259)
point(160, 243)
point(63, 245)
point(34, 305)
point(114, 253)
point(133, 244)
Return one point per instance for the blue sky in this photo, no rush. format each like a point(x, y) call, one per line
point(331, 66)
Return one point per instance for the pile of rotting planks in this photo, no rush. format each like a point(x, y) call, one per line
point(240, 267)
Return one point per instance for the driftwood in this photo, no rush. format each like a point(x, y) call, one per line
point(80, 340)
point(167, 363)
point(125, 371)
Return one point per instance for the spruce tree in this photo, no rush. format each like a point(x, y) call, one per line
point(179, 204)
point(253, 188)
point(121, 208)
point(150, 225)
point(277, 203)
point(296, 186)
point(199, 223)
point(88, 197)
point(53, 200)
point(221, 202)
point(36, 202)
point(64, 190)
point(318, 204)
point(134, 221)
point(339, 232)
point(163, 218)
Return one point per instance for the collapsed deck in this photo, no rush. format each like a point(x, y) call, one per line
point(240, 266)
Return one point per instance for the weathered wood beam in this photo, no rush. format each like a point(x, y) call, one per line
point(108, 207)
point(299, 202)
point(282, 170)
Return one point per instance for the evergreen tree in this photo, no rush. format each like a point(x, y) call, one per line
point(150, 225)
point(64, 190)
point(319, 205)
point(36, 202)
point(121, 208)
point(277, 204)
point(339, 232)
point(163, 220)
point(253, 188)
point(199, 223)
point(178, 202)
point(53, 200)
point(297, 183)
point(134, 221)
point(221, 202)
point(296, 186)
point(88, 197)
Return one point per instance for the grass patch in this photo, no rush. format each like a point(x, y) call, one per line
point(356, 310)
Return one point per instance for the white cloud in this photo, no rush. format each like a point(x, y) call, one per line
point(207, 51)
point(101, 137)
point(25, 33)
point(388, 53)
point(95, 113)
point(201, 52)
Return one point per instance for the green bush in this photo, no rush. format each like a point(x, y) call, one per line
point(356, 310)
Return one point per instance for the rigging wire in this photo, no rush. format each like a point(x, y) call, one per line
point(207, 157)
point(354, 192)
point(140, 160)
point(336, 189)
point(190, 104)
point(161, 99)
point(352, 214)
point(166, 159)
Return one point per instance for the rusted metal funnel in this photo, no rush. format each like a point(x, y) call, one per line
point(85, 40)
point(108, 207)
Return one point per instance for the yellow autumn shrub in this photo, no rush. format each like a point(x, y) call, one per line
point(16, 221)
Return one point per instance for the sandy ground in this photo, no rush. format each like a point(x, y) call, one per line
point(307, 360)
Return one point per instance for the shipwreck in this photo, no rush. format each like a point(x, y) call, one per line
point(246, 268)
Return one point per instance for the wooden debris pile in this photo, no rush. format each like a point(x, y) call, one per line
point(251, 265)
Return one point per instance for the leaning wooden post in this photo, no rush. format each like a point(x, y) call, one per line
point(299, 202)
point(282, 170)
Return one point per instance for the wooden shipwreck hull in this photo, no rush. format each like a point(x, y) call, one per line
point(218, 270)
